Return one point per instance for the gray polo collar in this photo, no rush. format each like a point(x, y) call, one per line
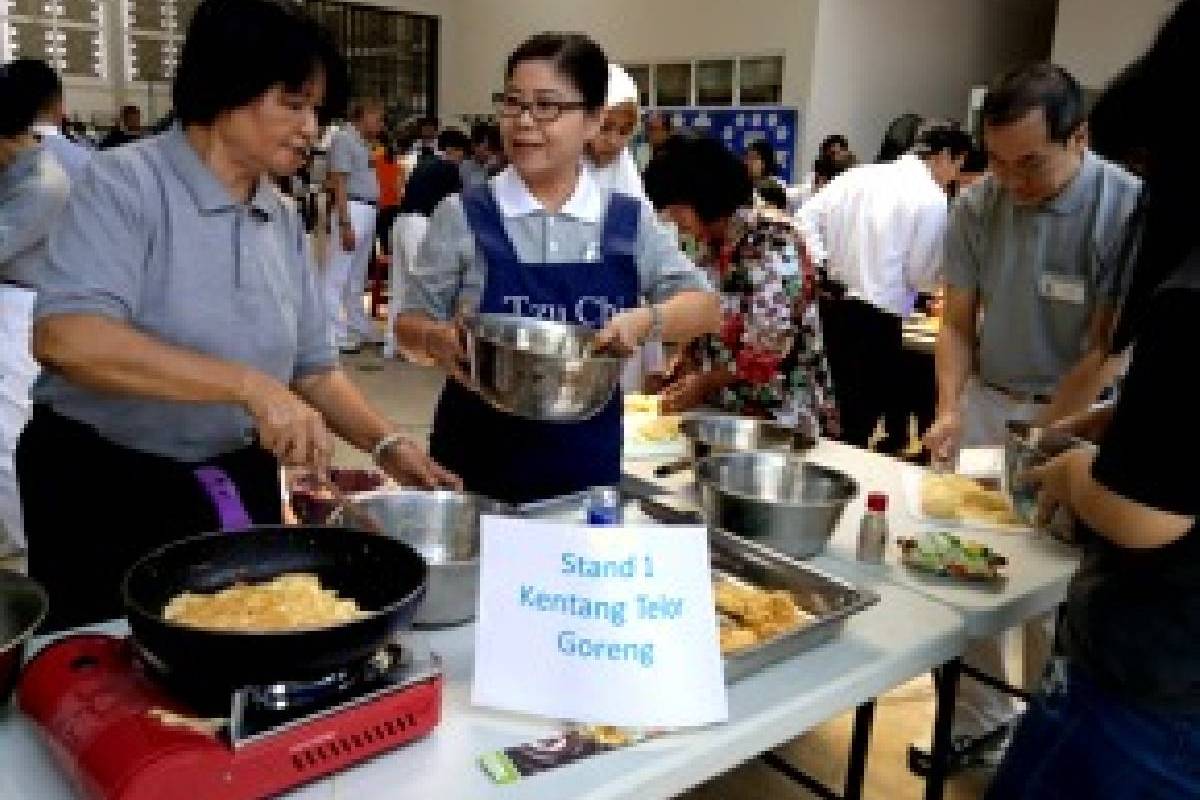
point(1073, 195)
point(208, 192)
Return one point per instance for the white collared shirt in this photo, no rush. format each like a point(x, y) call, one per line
point(72, 157)
point(880, 228)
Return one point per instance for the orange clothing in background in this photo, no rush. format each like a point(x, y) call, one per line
point(387, 173)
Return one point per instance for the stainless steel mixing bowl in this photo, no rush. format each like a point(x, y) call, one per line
point(538, 369)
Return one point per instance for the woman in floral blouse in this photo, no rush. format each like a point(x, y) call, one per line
point(768, 360)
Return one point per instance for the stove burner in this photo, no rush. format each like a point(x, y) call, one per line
point(292, 694)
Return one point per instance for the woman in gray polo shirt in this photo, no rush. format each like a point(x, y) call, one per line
point(542, 239)
point(186, 348)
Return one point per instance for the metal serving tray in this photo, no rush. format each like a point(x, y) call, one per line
point(830, 599)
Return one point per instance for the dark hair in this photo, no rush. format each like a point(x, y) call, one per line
point(976, 160)
point(663, 117)
point(899, 137)
point(19, 105)
point(236, 50)
point(127, 110)
point(835, 138)
point(701, 173)
point(453, 137)
point(767, 153)
point(575, 56)
point(829, 167)
point(430, 184)
point(428, 122)
point(937, 136)
point(39, 79)
point(772, 194)
point(1164, 228)
point(1043, 85)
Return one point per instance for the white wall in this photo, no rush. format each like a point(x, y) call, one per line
point(1096, 39)
point(878, 59)
point(630, 31)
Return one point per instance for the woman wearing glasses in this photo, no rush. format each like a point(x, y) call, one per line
point(542, 239)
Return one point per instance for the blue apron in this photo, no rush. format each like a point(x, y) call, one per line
point(517, 460)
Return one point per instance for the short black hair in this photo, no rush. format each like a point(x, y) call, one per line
point(767, 153)
point(835, 138)
point(39, 79)
point(701, 173)
point(936, 136)
point(976, 160)
point(236, 50)
point(453, 137)
point(829, 167)
point(1042, 85)
point(772, 194)
point(18, 105)
point(575, 56)
point(899, 137)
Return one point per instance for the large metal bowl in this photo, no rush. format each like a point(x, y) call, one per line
point(711, 434)
point(776, 499)
point(538, 369)
point(23, 606)
point(443, 527)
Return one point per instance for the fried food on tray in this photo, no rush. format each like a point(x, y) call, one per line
point(288, 602)
point(955, 497)
point(642, 403)
point(658, 429)
point(754, 615)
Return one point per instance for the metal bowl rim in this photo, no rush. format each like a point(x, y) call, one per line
point(27, 583)
point(851, 483)
point(476, 326)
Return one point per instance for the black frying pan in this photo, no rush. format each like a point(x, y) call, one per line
point(384, 576)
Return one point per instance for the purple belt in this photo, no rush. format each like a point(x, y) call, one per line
point(223, 493)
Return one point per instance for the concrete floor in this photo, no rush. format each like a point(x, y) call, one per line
point(407, 394)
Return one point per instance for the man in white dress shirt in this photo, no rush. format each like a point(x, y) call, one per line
point(879, 228)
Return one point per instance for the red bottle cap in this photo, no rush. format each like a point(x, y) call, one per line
point(877, 502)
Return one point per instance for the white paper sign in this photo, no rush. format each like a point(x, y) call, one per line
point(606, 625)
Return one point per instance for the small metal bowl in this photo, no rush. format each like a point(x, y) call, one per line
point(538, 369)
point(443, 527)
point(23, 607)
point(776, 499)
point(1027, 446)
point(711, 434)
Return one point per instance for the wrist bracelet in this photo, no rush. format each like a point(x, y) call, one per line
point(384, 444)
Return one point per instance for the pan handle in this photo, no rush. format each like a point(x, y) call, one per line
point(223, 493)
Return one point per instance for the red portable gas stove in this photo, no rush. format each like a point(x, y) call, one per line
point(124, 732)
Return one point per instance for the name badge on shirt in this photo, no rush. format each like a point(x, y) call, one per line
point(1064, 288)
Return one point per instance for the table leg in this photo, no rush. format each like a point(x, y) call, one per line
point(856, 767)
point(860, 742)
point(945, 679)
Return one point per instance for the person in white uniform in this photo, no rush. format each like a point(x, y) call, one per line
point(33, 190)
point(47, 90)
point(614, 170)
point(355, 199)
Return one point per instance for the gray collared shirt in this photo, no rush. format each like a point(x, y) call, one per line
point(1041, 271)
point(349, 155)
point(33, 190)
point(151, 238)
point(449, 271)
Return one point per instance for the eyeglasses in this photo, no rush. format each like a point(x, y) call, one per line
point(542, 110)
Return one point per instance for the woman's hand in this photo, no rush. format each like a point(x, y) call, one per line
point(624, 333)
point(407, 463)
point(944, 436)
point(288, 427)
point(1055, 480)
point(691, 390)
point(443, 342)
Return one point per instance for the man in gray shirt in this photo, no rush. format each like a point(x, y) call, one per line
point(355, 199)
point(1033, 270)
